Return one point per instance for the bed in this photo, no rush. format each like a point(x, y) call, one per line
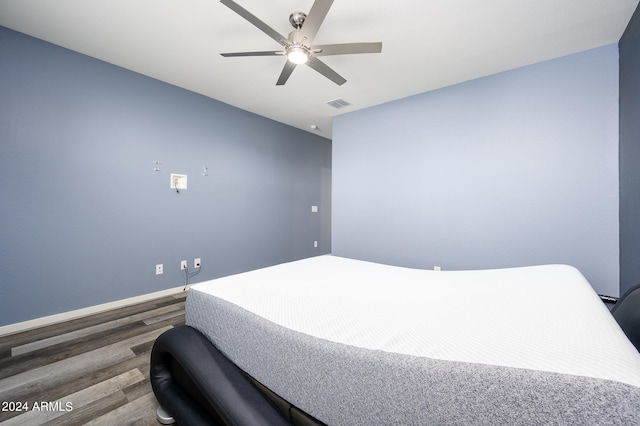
point(351, 342)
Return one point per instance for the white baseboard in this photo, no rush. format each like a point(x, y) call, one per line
point(78, 313)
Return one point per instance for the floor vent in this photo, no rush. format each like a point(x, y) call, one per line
point(338, 103)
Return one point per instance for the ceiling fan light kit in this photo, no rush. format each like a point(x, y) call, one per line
point(298, 47)
point(298, 54)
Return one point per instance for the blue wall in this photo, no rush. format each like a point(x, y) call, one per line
point(518, 168)
point(84, 219)
point(630, 154)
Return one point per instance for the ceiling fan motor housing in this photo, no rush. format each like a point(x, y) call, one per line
point(296, 38)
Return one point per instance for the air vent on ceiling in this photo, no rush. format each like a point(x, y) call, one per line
point(338, 103)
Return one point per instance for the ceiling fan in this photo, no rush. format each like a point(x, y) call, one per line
point(298, 47)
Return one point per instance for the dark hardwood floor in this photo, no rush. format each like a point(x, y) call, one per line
point(92, 370)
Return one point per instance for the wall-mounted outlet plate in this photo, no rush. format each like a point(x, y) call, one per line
point(159, 269)
point(178, 181)
point(196, 262)
point(183, 265)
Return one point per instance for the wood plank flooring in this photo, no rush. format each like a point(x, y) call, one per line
point(92, 370)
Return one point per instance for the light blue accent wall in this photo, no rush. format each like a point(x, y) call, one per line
point(515, 169)
point(84, 219)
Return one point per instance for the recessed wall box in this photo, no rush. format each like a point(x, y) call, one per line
point(178, 181)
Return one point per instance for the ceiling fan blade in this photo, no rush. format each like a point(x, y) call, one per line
point(266, 53)
point(286, 72)
point(314, 19)
point(347, 48)
point(255, 21)
point(324, 69)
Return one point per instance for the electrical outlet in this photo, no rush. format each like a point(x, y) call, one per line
point(183, 265)
point(315, 244)
point(196, 262)
point(159, 269)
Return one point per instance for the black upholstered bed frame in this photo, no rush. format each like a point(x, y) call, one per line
point(197, 385)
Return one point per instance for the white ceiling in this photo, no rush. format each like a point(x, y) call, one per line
point(427, 44)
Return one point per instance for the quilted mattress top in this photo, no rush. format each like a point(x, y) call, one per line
point(544, 318)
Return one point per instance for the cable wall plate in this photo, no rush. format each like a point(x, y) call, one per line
point(178, 181)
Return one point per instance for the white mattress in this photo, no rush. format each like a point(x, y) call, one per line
point(545, 318)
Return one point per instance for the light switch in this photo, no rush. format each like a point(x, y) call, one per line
point(314, 209)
